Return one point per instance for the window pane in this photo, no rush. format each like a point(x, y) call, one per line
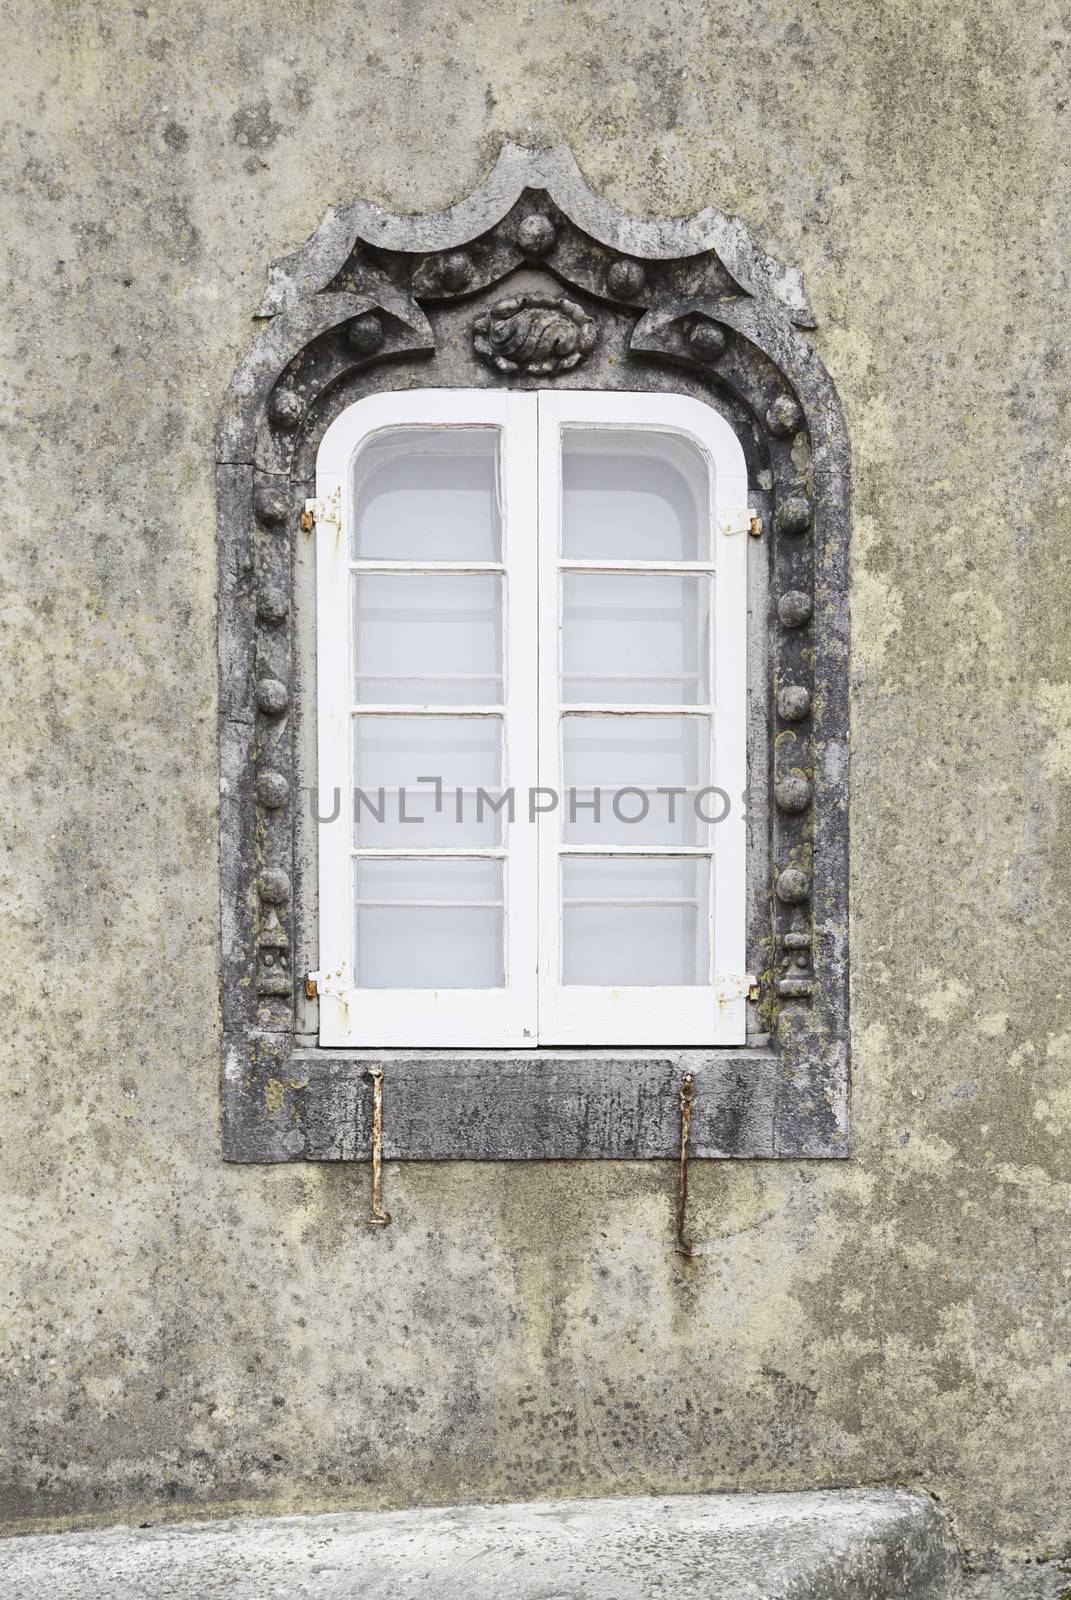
point(630, 495)
point(429, 881)
point(634, 639)
point(615, 754)
point(630, 922)
point(427, 640)
point(428, 494)
point(429, 924)
point(394, 753)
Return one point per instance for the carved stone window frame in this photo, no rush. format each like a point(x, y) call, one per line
point(375, 301)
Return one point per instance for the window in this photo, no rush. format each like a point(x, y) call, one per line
point(532, 709)
point(575, 473)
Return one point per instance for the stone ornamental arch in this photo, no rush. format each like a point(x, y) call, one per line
point(536, 281)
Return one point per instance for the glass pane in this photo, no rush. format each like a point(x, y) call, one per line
point(418, 781)
point(429, 924)
point(630, 495)
point(427, 640)
point(617, 764)
point(630, 921)
point(428, 494)
point(634, 639)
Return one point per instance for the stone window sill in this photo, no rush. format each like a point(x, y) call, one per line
point(540, 1105)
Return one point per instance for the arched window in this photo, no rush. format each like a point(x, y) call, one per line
point(531, 669)
point(533, 694)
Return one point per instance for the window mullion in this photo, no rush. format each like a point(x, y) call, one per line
point(520, 490)
point(550, 773)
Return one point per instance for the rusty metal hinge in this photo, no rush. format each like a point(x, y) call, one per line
point(326, 981)
point(736, 986)
point(741, 520)
point(323, 513)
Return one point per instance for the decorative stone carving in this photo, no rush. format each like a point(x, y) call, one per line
point(784, 417)
point(534, 334)
point(365, 334)
point(272, 605)
point(272, 696)
point(271, 506)
point(793, 515)
point(644, 303)
point(707, 340)
point(625, 279)
point(795, 608)
point(793, 794)
point(537, 235)
point(793, 886)
point(285, 409)
point(273, 791)
point(274, 887)
point(793, 702)
point(456, 271)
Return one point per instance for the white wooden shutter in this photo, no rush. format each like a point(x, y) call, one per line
point(443, 870)
point(674, 884)
point(583, 913)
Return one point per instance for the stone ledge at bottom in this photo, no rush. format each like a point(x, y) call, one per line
point(831, 1545)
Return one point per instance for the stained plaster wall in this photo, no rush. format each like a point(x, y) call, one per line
point(182, 1337)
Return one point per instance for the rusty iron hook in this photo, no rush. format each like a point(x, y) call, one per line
point(380, 1217)
point(687, 1099)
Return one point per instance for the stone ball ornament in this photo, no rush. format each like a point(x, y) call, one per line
point(456, 270)
point(793, 886)
point(273, 886)
point(272, 604)
point(625, 279)
point(794, 608)
point(534, 334)
point(273, 697)
point(273, 791)
point(285, 409)
point(784, 416)
point(537, 235)
point(793, 702)
point(270, 505)
point(793, 515)
point(365, 334)
point(707, 340)
point(792, 794)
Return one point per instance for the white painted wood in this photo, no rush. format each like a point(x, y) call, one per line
point(349, 1014)
point(464, 569)
point(586, 708)
point(426, 711)
point(710, 1012)
point(655, 567)
point(713, 1012)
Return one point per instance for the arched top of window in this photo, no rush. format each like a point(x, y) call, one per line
point(420, 490)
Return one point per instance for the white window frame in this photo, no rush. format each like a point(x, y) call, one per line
point(571, 1014)
point(533, 1007)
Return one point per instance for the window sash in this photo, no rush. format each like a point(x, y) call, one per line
point(534, 1006)
point(357, 1016)
point(679, 1014)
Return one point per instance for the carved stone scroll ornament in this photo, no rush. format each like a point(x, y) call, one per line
point(534, 334)
point(372, 301)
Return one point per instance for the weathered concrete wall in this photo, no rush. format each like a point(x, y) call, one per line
point(185, 1337)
